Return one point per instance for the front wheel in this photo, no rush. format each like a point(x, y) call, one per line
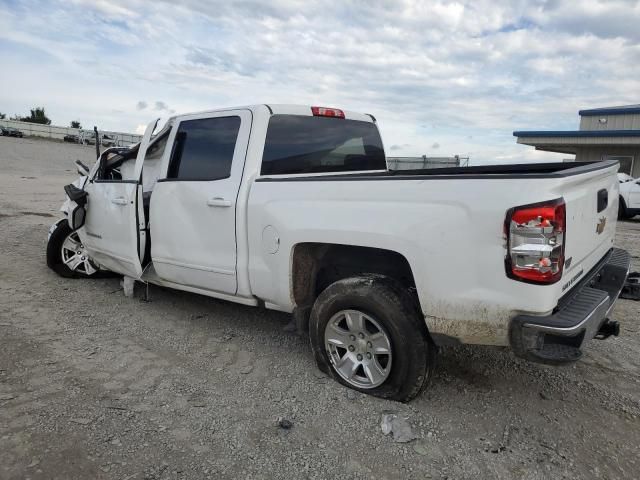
point(367, 333)
point(66, 255)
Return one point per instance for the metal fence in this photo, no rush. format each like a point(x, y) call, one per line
point(53, 131)
point(417, 163)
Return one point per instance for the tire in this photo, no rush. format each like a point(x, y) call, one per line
point(387, 309)
point(55, 261)
point(623, 212)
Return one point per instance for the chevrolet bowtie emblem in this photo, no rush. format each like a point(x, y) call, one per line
point(601, 224)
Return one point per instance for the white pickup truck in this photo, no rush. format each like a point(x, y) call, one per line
point(292, 208)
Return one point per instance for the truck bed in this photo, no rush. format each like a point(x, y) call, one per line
point(451, 233)
point(519, 170)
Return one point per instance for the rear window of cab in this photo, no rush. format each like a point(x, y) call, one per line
point(310, 144)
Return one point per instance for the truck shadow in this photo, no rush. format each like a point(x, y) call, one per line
point(464, 368)
point(488, 372)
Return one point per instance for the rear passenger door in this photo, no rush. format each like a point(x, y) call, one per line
point(193, 209)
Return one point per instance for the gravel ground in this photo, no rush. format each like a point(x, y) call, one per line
point(96, 385)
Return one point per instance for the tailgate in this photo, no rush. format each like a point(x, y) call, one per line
point(592, 209)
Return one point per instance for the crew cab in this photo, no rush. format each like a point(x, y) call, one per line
point(292, 208)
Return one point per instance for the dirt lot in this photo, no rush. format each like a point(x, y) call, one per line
point(96, 385)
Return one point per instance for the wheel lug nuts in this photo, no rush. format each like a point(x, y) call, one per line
point(359, 357)
point(352, 337)
point(369, 344)
point(361, 335)
point(351, 348)
point(369, 356)
point(82, 258)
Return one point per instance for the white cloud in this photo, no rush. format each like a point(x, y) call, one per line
point(460, 74)
point(159, 105)
point(105, 8)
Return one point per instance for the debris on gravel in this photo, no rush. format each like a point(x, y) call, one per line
point(285, 424)
point(81, 421)
point(398, 426)
point(127, 284)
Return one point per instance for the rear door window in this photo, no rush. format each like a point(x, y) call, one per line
point(306, 144)
point(203, 149)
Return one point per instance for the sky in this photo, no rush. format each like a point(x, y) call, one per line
point(442, 78)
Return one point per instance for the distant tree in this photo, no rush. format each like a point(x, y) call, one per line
point(3, 116)
point(37, 116)
point(75, 124)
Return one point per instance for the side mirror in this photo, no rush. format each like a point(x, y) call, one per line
point(78, 213)
point(77, 217)
point(76, 194)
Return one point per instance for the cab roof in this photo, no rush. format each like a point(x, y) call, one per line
point(285, 109)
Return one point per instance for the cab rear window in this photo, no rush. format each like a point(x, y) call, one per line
point(305, 144)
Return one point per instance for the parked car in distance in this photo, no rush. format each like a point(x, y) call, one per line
point(629, 202)
point(625, 177)
point(292, 208)
point(108, 141)
point(11, 132)
point(89, 138)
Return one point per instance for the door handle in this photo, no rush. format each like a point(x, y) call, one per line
point(119, 201)
point(218, 202)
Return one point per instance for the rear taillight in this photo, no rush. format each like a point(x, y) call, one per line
point(535, 242)
point(327, 112)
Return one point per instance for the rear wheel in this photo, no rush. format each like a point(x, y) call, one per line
point(66, 254)
point(359, 348)
point(367, 333)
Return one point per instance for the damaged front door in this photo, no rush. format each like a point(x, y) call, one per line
point(115, 220)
